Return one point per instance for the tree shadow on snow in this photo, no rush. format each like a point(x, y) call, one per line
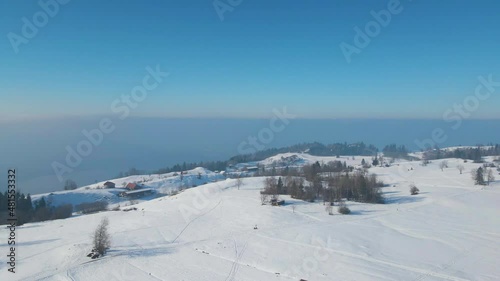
point(141, 252)
point(403, 199)
point(390, 192)
point(361, 212)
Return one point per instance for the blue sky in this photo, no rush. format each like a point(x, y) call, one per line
point(263, 55)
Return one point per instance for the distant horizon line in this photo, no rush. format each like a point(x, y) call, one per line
point(4, 120)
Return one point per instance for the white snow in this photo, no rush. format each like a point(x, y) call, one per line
point(448, 232)
point(161, 183)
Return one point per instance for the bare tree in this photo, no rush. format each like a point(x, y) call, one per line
point(460, 168)
point(264, 198)
point(490, 176)
point(293, 208)
point(329, 208)
point(101, 239)
point(443, 164)
point(239, 182)
point(70, 185)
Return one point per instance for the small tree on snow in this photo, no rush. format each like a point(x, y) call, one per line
point(443, 164)
point(70, 185)
point(343, 209)
point(329, 208)
point(460, 168)
point(490, 176)
point(264, 198)
point(101, 239)
point(478, 176)
point(239, 182)
point(414, 190)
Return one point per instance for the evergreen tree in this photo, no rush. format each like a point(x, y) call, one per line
point(40, 204)
point(479, 176)
point(279, 186)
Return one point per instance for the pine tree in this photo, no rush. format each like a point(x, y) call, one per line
point(279, 186)
point(41, 203)
point(479, 176)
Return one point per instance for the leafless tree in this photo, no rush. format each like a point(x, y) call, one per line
point(329, 208)
point(490, 176)
point(70, 185)
point(264, 198)
point(443, 164)
point(293, 208)
point(101, 239)
point(460, 168)
point(239, 182)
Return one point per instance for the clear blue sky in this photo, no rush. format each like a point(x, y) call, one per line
point(263, 55)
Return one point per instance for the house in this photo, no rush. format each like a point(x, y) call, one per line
point(252, 169)
point(132, 186)
point(137, 193)
point(109, 184)
point(276, 202)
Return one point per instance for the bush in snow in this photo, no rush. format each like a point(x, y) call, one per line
point(414, 190)
point(343, 209)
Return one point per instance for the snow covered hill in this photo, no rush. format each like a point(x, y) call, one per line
point(300, 159)
point(161, 184)
point(450, 231)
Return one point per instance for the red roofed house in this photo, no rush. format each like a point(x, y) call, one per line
point(132, 186)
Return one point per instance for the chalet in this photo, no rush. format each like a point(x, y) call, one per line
point(137, 193)
point(252, 169)
point(276, 202)
point(132, 186)
point(109, 184)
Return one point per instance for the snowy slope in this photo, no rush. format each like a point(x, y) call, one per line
point(448, 232)
point(162, 183)
point(300, 159)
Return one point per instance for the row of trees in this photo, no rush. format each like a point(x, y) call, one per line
point(315, 148)
point(395, 151)
point(356, 186)
point(472, 153)
point(482, 176)
point(26, 211)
